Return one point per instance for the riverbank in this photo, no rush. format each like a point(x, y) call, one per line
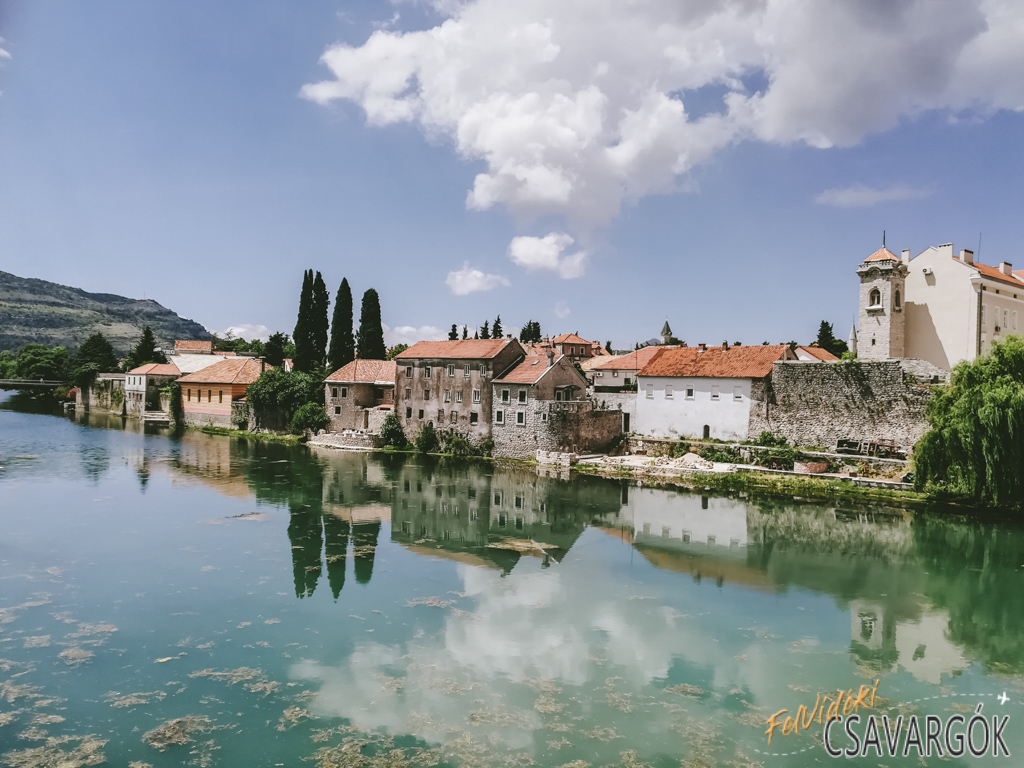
point(268, 437)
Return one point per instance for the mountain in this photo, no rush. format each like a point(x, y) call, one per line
point(41, 312)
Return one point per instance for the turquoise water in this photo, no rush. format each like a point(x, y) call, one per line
point(207, 601)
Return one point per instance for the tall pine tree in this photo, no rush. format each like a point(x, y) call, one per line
point(144, 351)
point(465, 332)
point(497, 331)
point(343, 342)
point(321, 325)
point(303, 326)
point(485, 332)
point(370, 339)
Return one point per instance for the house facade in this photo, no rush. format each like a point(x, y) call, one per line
point(614, 383)
point(360, 395)
point(142, 387)
point(448, 383)
point(207, 395)
point(704, 392)
point(572, 346)
point(936, 306)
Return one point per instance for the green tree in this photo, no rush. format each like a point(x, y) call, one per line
point(276, 395)
point(320, 327)
point(370, 340)
point(485, 332)
point(145, 351)
point(497, 332)
point(608, 347)
point(302, 336)
point(273, 350)
point(426, 441)
point(530, 333)
point(827, 341)
point(343, 342)
point(98, 351)
point(391, 433)
point(465, 332)
point(310, 417)
point(974, 447)
point(36, 361)
point(396, 350)
point(453, 334)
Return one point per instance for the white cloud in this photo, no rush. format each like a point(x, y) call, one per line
point(469, 280)
point(4, 54)
point(247, 331)
point(409, 334)
point(861, 196)
point(547, 253)
point(578, 106)
point(562, 310)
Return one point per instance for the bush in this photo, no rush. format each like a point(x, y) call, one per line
point(777, 458)
point(391, 432)
point(770, 440)
point(426, 441)
point(278, 392)
point(454, 444)
point(310, 417)
point(726, 455)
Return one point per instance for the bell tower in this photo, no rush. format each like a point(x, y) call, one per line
point(881, 318)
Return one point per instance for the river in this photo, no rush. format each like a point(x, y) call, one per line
point(203, 600)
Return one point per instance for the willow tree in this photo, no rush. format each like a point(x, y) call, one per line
point(974, 448)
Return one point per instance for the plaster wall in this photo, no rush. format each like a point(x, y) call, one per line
point(671, 414)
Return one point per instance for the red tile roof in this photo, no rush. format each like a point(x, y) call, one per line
point(822, 354)
point(634, 361)
point(223, 353)
point(528, 371)
point(466, 349)
point(994, 273)
point(569, 338)
point(157, 369)
point(883, 254)
point(193, 346)
point(366, 372)
point(234, 370)
point(716, 362)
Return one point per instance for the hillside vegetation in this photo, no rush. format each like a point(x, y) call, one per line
point(40, 312)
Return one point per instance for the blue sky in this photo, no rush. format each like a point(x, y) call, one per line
point(203, 155)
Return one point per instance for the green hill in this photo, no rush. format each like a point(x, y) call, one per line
point(41, 312)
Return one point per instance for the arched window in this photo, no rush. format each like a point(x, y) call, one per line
point(875, 298)
point(896, 299)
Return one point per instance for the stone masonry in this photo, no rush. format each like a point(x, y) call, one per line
point(557, 426)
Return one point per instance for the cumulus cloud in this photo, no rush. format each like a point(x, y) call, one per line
point(578, 106)
point(861, 196)
point(469, 280)
point(410, 334)
point(4, 54)
point(247, 331)
point(547, 252)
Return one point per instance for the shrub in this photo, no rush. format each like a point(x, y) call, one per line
point(779, 457)
point(426, 440)
point(391, 432)
point(277, 392)
point(768, 439)
point(310, 417)
point(713, 453)
point(451, 442)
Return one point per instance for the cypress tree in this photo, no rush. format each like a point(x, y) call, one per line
point(485, 332)
point(370, 339)
point(497, 331)
point(453, 334)
point(302, 336)
point(465, 332)
point(320, 325)
point(343, 342)
point(145, 351)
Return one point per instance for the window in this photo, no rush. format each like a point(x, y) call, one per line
point(483, 369)
point(615, 374)
point(447, 395)
point(520, 522)
point(737, 394)
point(426, 394)
point(472, 514)
point(522, 395)
point(465, 371)
point(334, 391)
point(714, 392)
point(344, 391)
point(209, 395)
point(1015, 320)
point(451, 371)
point(598, 375)
point(497, 499)
point(686, 537)
point(190, 395)
point(421, 413)
point(666, 532)
point(896, 299)
point(1006, 319)
point(626, 382)
point(408, 393)
point(458, 397)
point(502, 521)
point(453, 417)
point(668, 391)
point(220, 396)
point(499, 417)
point(408, 371)
point(337, 410)
point(517, 502)
point(440, 415)
point(558, 394)
point(476, 395)
point(504, 396)
point(407, 527)
point(543, 417)
point(473, 417)
point(689, 391)
point(572, 350)
point(875, 298)
point(521, 418)
point(408, 413)
point(426, 371)
point(650, 391)
point(872, 342)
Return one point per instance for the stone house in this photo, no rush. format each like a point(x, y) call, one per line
point(448, 384)
point(142, 387)
point(613, 382)
point(572, 346)
point(704, 392)
point(359, 395)
point(936, 306)
point(207, 396)
point(540, 404)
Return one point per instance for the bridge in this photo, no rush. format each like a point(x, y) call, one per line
point(29, 384)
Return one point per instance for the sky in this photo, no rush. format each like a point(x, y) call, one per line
point(593, 165)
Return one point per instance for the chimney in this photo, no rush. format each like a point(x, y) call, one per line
point(966, 256)
point(701, 347)
point(725, 345)
point(508, 335)
point(1006, 268)
point(551, 357)
point(263, 365)
point(905, 256)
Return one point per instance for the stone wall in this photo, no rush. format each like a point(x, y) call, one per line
point(556, 426)
point(193, 419)
point(625, 402)
point(106, 393)
point(816, 404)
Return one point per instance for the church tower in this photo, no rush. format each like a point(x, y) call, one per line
point(666, 332)
point(881, 318)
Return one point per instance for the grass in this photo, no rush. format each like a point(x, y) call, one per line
point(268, 437)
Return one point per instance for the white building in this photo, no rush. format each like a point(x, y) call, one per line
point(703, 392)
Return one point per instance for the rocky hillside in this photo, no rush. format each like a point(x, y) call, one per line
point(37, 311)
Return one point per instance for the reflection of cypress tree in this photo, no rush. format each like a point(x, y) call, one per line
point(364, 539)
point(336, 535)
point(305, 532)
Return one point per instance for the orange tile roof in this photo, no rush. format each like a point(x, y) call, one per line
point(234, 370)
point(993, 273)
point(634, 361)
point(198, 346)
point(716, 362)
point(883, 254)
point(465, 349)
point(569, 338)
point(366, 372)
point(223, 353)
point(528, 371)
point(822, 354)
point(157, 369)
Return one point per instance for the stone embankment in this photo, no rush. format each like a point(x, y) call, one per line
point(350, 440)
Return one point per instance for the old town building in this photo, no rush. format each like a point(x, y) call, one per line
point(359, 395)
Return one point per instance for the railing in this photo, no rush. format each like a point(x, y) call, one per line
point(29, 384)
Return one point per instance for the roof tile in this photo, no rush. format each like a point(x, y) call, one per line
point(156, 369)
point(366, 372)
point(528, 371)
point(465, 349)
point(233, 370)
point(185, 345)
point(716, 362)
point(634, 361)
point(569, 338)
point(883, 254)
